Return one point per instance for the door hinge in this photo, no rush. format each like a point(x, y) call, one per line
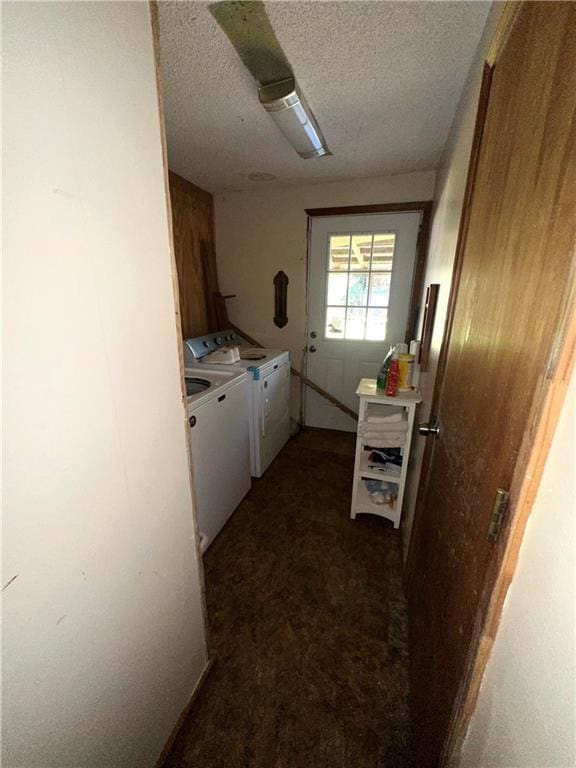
point(498, 512)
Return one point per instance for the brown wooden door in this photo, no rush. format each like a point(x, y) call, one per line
point(516, 270)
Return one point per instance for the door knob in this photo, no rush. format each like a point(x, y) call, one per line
point(431, 428)
point(312, 348)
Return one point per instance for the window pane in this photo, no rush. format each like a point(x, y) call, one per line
point(376, 324)
point(355, 321)
point(335, 317)
point(337, 288)
point(339, 253)
point(380, 289)
point(361, 249)
point(383, 251)
point(358, 290)
point(359, 274)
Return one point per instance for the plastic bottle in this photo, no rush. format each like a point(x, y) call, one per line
point(392, 381)
point(383, 373)
point(406, 371)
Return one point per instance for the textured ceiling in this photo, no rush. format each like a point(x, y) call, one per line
point(382, 78)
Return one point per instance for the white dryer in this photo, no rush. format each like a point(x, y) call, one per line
point(270, 389)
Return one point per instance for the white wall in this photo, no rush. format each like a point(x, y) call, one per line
point(261, 232)
point(448, 202)
point(526, 711)
point(103, 626)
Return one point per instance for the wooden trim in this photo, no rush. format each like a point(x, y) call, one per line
point(183, 716)
point(504, 27)
point(456, 272)
point(353, 210)
point(428, 324)
point(190, 188)
point(419, 272)
point(303, 379)
point(244, 335)
point(326, 395)
point(304, 354)
point(425, 207)
point(155, 28)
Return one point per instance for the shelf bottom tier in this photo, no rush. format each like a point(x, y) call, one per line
point(363, 505)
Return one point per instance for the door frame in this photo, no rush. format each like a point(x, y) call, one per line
point(540, 427)
point(425, 207)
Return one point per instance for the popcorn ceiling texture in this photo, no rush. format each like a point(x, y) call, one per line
point(383, 79)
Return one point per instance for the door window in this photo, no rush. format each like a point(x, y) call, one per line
point(358, 285)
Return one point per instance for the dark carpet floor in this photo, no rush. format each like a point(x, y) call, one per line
point(307, 624)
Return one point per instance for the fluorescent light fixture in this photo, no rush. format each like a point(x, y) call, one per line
point(293, 116)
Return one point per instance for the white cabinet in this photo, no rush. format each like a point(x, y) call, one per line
point(221, 457)
point(379, 488)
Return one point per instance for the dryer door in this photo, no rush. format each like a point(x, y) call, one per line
point(274, 414)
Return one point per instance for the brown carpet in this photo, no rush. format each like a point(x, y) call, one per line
point(307, 623)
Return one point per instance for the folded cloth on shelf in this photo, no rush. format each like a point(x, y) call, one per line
point(383, 428)
point(393, 418)
point(384, 439)
point(381, 457)
point(387, 468)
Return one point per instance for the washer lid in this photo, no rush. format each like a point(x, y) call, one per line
point(259, 357)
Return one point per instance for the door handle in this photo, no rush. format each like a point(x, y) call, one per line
point(312, 348)
point(429, 428)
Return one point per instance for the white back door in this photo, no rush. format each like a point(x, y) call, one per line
point(359, 286)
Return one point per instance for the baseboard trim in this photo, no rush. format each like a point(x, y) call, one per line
point(184, 714)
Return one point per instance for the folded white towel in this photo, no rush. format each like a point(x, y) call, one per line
point(383, 427)
point(387, 440)
point(393, 418)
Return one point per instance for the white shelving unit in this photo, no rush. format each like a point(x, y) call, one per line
point(372, 402)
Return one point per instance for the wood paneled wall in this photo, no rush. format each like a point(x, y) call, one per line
point(193, 221)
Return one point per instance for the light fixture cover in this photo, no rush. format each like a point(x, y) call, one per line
point(293, 116)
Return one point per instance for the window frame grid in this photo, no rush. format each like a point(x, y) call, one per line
point(369, 272)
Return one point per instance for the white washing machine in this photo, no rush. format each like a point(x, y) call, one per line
point(269, 371)
point(219, 414)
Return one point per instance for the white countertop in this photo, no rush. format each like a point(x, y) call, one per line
point(367, 388)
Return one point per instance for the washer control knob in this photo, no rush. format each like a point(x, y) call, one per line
point(218, 339)
point(206, 343)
